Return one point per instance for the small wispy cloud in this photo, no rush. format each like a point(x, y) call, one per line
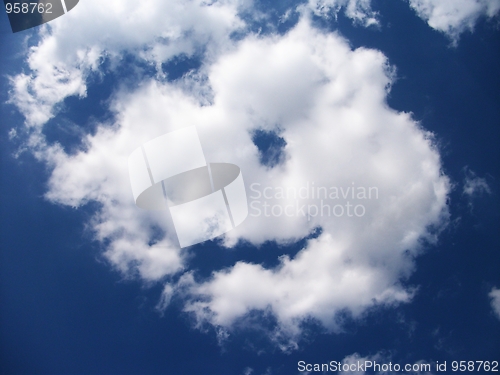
point(495, 301)
point(359, 11)
point(474, 186)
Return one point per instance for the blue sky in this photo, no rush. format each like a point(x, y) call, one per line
point(339, 93)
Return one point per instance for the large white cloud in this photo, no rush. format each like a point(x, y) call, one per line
point(324, 99)
point(453, 17)
point(72, 48)
point(328, 103)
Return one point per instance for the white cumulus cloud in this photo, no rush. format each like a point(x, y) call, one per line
point(453, 17)
point(74, 46)
point(325, 100)
point(328, 103)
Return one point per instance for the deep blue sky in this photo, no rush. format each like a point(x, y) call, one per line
point(64, 311)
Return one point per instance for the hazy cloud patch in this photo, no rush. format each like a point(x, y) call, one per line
point(495, 301)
